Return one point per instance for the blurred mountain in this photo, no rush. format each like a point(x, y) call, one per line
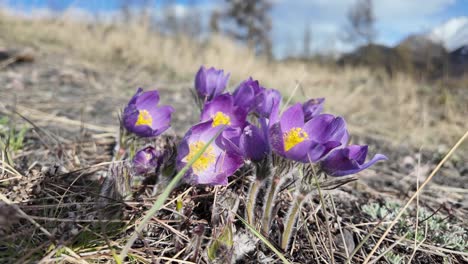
point(441, 52)
point(421, 45)
point(459, 61)
point(452, 34)
point(376, 56)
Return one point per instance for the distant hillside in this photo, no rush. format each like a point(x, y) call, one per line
point(459, 60)
point(416, 55)
point(377, 57)
point(442, 52)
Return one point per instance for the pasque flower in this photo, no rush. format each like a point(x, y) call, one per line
point(222, 111)
point(246, 93)
point(348, 160)
point(267, 104)
point(312, 108)
point(254, 143)
point(310, 141)
point(144, 117)
point(146, 160)
point(216, 164)
point(210, 82)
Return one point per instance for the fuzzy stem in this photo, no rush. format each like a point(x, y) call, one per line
point(290, 220)
point(269, 204)
point(254, 187)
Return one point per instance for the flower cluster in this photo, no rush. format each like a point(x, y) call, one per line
point(248, 125)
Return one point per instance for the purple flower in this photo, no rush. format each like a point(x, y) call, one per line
point(254, 143)
point(310, 141)
point(246, 93)
point(144, 117)
point(215, 165)
point(210, 82)
point(267, 104)
point(145, 160)
point(222, 111)
point(312, 108)
point(348, 160)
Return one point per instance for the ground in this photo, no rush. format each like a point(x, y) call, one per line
point(64, 111)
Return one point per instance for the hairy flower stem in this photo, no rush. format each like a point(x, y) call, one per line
point(291, 219)
point(253, 191)
point(272, 190)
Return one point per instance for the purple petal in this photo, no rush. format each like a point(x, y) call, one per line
point(253, 143)
point(299, 152)
point(224, 104)
point(319, 150)
point(326, 127)
point(267, 101)
point(348, 161)
point(244, 97)
point(210, 82)
point(147, 100)
point(161, 118)
point(293, 117)
point(221, 83)
point(230, 140)
point(276, 138)
point(229, 163)
point(200, 82)
point(357, 153)
point(145, 160)
point(312, 108)
point(135, 97)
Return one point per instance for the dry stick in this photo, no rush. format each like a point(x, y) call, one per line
point(339, 227)
point(417, 246)
point(43, 116)
point(415, 195)
point(23, 214)
point(322, 201)
point(291, 96)
point(417, 210)
point(367, 236)
point(389, 249)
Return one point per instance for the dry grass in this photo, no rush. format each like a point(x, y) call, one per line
point(397, 109)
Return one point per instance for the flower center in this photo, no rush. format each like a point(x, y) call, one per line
point(205, 160)
point(221, 119)
point(144, 118)
point(293, 137)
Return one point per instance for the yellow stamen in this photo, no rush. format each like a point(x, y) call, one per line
point(293, 137)
point(220, 119)
point(205, 160)
point(144, 119)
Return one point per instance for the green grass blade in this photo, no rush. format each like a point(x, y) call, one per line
point(263, 239)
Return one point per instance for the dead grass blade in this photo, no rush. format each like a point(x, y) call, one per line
point(400, 213)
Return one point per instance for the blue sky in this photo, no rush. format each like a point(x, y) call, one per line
point(395, 18)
